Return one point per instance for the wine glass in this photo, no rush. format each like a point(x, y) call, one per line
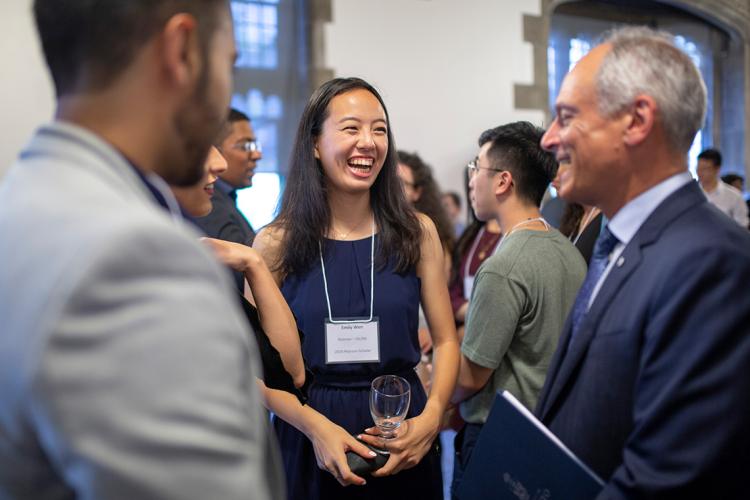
point(389, 402)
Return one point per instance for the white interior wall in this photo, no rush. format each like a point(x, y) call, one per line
point(27, 96)
point(445, 68)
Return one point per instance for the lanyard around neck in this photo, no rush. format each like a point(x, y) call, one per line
point(372, 281)
point(522, 223)
point(474, 246)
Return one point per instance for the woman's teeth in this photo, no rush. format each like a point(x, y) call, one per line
point(363, 165)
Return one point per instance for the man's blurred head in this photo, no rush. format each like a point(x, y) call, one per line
point(709, 166)
point(241, 149)
point(181, 51)
point(734, 180)
point(451, 204)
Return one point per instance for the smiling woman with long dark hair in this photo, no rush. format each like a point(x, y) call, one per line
point(349, 253)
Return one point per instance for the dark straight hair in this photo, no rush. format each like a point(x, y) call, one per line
point(711, 154)
point(305, 216)
point(515, 148)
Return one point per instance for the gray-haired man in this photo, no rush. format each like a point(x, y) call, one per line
point(649, 384)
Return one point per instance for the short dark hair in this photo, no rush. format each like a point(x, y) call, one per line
point(95, 40)
point(712, 155)
point(235, 115)
point(516, 148)
point(730, 178)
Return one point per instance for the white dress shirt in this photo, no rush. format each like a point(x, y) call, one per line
point(730, 201)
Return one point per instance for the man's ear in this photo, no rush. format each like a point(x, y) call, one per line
point(639, 120)
point(181, 51)
point(502, 182)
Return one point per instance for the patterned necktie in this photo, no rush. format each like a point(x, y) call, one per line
point(604, 246)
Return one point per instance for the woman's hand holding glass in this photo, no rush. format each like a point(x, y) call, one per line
point(412, 440)
point(390, 396)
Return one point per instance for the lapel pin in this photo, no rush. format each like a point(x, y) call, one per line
point(620, 261)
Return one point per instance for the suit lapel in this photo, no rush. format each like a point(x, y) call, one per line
point(567, 360)
point(571, 356)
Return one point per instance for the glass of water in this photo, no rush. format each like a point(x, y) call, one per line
point(389, 401)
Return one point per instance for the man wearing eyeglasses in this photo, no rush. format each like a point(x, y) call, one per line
point(242, 151)
point(522, 293)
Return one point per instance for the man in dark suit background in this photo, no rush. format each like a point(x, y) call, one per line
point(242, 150)
point(649, 385)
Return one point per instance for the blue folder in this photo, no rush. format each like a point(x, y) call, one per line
point(518, 458)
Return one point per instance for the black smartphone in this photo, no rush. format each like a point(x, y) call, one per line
point(361, 466)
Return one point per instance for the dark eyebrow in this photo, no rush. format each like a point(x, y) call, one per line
point(347, 118)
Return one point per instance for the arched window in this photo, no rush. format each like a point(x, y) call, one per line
point(271, 87)
point(575, 28)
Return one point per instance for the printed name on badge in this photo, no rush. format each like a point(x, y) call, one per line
point(352, 342)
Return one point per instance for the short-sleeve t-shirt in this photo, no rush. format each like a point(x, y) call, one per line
point(519, 303)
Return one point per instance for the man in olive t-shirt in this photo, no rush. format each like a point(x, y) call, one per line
point(523, 293)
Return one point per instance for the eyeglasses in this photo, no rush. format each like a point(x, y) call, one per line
point(472, 167)
point(248, 146)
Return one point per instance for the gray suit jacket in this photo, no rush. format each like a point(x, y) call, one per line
point(126, 370)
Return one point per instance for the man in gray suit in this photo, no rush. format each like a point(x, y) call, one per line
point(126, 370)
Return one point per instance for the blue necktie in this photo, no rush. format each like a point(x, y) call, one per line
point(604, 246)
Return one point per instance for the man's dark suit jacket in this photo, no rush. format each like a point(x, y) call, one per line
point(654, 395)
point(226, 222)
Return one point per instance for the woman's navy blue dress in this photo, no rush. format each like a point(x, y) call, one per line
point(341, 391)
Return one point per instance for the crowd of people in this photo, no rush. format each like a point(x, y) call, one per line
point(148, 331)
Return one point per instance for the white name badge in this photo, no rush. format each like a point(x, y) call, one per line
point(468, 285)
point(352, 342)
